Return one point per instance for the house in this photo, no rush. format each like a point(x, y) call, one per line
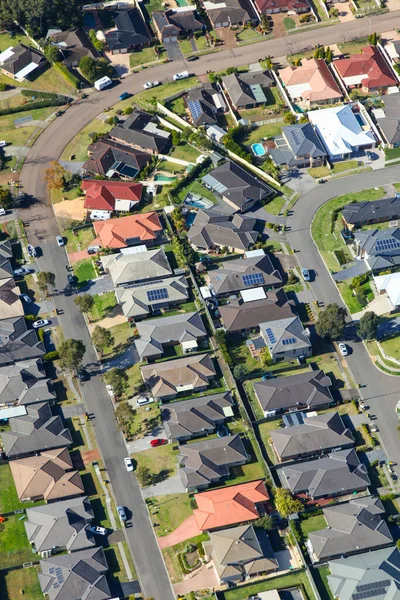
point(367, 70)
point(393, 50)
point(6, 255)
point(230, 505)
point(240, 315)
point(388, 119)
point(18, 342)
point(196, 418)
point(141, 132)
point(341, 132)
point(10, 302)
point(60, 526)
point(110, 196)
point(286, 339)
point(108, 158)
point(228, 13)
point(269, 7)
point(247, 90)
point(35, 431)
point(310, 84)
point(390, 285)
point(243, 274)
point(77, 576)
point(236, 186)
point(239, 553)
point(73, 45)
point(376, 573)
point(133, 230)
point(6, 249)
point(151, 298)
point(172, 24)
point(205, 104)
point(210, 461)
point(155, 335)
point(316, 435)
point(25, 383)
point(306, 391)
point(215, 133)
point(379, 248)
point(299, 147)
point(352, 528)
point(358, 214)
point(131, 32)
point(47, 476)
point(213, 230)
point(143, 266)
point(168, 379)
point(336, 474)
point(20, 61)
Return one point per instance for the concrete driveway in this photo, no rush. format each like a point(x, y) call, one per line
point(173, 50)
point(172, 485)
point(185, 531)
point(98, 286)
point(380, 305)
point(205, 578)
point(144, 443)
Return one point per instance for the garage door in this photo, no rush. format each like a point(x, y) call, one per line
point(166, 40)
point(174, 38)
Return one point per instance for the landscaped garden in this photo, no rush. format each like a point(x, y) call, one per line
point(183, 558)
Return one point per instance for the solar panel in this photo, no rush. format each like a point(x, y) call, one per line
point(373, 586)
point(370, 594)
point(386, 245)
point(253, 279)
point(195, 109)
point(270, 335)
point(289, 341)
point(160, 294)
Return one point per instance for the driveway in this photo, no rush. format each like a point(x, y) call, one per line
point(380, 305)
point(188, 529)
point(357, 268)
point(158, 433)
point(98, 286)
point(389, 327)
point(205, 578)
point(123, 361)
point(173, 50)
point(72, 166)
point(172, 485)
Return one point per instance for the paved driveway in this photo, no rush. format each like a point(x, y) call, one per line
point(142, 444)
point(98, 286)
point(173, 50)
point(389, 327)
point(205, 578)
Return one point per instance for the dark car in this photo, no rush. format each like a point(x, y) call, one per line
point(72, 279)
point(192, 58)
point(125, 96)
point(83, 375)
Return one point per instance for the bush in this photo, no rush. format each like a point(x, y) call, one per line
point(58, 101)
point(35, 94)
point(340, 257)
point(62, 69)
point(30, 317)
point(3, 87)
point(51, 355)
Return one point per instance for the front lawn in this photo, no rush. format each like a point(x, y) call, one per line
point(276, 205)
point(84, 271)
point(44, 80)
point(161, 461)
point(14, 546)
point(142, 57)
point(347, 165)
point(177, 106)
point(21, 582)
point(314, 523)
point(60, 195)
point(391, 347)
point(169, 512)
point(172, 553)
point(318, 172)
point(392, 153)
point(77, 149)
point(249, 34)
point(186, 47)
point(351, 301)
point(354, 47)
point(186, 152)
point(103, 304)
point(289, 23)
point(163, 91)
point(145, 419)
point(290, 580)
point(80, 241)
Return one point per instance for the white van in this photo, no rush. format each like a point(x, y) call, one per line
point(102, 83)
point(181, 75)
point(100, 215)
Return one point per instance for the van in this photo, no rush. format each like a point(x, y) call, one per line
point(181, 75)
point(102, 83)
point(100, 215)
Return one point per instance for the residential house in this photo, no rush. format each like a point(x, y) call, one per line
point(25, 383)
point(393, 49)
point(46, 476)
point(142, 132)
point(20, 61)
point(73, 46)
point(131, 32)
point(10, 302)
point(18, 342)
point(175, 23)
point(352, 528)
point(77, 576)
point(336, 474)
point(230, 505)
point(37, 430)
point(6, 255)
point(228, 13)
point(341, 132)
point(108, 158)
point(239, 553)
point(138, 267)
point(286, 339)
point(236, 186)
point(310, 84)
point(196, 418)
point(388, 119)
point(247, 90)
point(133, 230)
point(376, 573)
point(60, 526)
point(168, 379)
point(316, 435)
point(299, 147)
point(110, 196)
point(379, 248)
point(367, 70)
point(6, 249)
point(151, 298)
point(205, 104)
point(155, 335)
point(305, 391)
point(277, 6)
point(390, 285)
point(212, 230)
point(243, 274)
point(358, 214)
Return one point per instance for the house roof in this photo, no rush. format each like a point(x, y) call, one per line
point(231, 11)
point(211, 228)
point(141, 129)
point(239, 315)
point(190, 417)
point(108, 157)
point(77, 576)
point(360, 213)
point(6, 249)
point(130, 30)
point(229, 505)
point(286, 5)
point(177, 21)
point(391, 285)
point(284, 335)
point(379, 241)
point(312, 81)
point(140, 266)
point(61, 524)
point(21, 60)
point(388, 118)
point(352, 527)
point(10, 302)
point(17, 342)
point(138, 301)
point(74, 45)
point(119, 233)
point(48, 475)
point(102, 195)
point(321, 433)
point(244, 273)
point(247, 88)
point(371, 65)
point(310, 389)
point(302, 141)
point(204, 103)
point(25, 383)
point(335, 474)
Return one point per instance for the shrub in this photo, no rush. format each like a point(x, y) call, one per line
point(3, 87)
point(51, 355)
point(340, 256)
point(30, 317)
point(62, 69)
point(58, 101)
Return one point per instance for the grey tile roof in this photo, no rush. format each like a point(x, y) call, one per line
point(287, 334)
point(22, 57)
point(306, 389)
point(25, 383)
point(302, 142)
point(141, 129)
point(74, 45)
point(378, 241)
point(336, 474)
point(390, 122)
point(190, 417)
point(238, 315)
point(233, 12)
point(352, 527)
point(360, 213)
point(140, 266)
point(6, 249)
point(77, 576)
point(131, 30)
point(60, 525)
point(135, 301)
point(244, 88)
point(6, 270)
point(172, 22)
point(229, 277)
point(213, 229)
point(107, 157)
point(17, 342)
point(204, 97)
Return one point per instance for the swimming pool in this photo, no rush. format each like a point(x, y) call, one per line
point(197, 201)
point(360, 120)
point(159, 177)
point(258, 149)
point(190, 217)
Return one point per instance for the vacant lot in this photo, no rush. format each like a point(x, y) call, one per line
point(14, 546)
point(103, 304)
point(169, 512)
point(160, 461)
point(22, 582)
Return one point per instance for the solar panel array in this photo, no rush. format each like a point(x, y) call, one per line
point(386, 245)
point(160, 294)
point(371, 590)
point(253, 279)
point(57, 572)
point(195, 109)
point(289, 341)
point(270, 335)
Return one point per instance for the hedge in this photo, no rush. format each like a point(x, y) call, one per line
point(32, 106)
point(74, 81)
point(34, 94)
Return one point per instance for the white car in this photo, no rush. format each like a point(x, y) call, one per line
point(343, 349)
point(305, 273)
point(181, 75)
point(41, 323)
point(128, 464)
point(21, 271)
point(2, 212)
point(99, 530)
point(25, 298)
point(59, 240)
point(150, 84)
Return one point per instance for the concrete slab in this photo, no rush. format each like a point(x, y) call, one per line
point(72, 410)
point(172, 485)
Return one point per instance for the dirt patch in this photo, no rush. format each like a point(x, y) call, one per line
point(279, 29)
point(227, 36)
point(71, 209)
point(90, 456)
point(345, 13)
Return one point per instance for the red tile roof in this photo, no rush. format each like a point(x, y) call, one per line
point(369, 63)
point(284, 5)
point(115, 232)
point(101, 195)
point(229, 505)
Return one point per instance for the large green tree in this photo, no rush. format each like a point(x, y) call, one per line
point(102, 338)
point(71, 354)
point(368, 325)
point(331, 322)
point(285, 503)
point(6, 199)
point(118, 379)
point(37, 16)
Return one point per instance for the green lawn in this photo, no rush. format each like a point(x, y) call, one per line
point(320, 577)
point(134, 380)
point(8, 497)
point(84, 271)
point(14, 546)
point(289, 23)
point(163, 91)
point(249, 34)
point(18, 583)
point(276, 205)
point(392, 153)
point(196, 188)
point(162, 461)
point(103, 304)
point(171, 556)
point(241, 354)
point(298, 578)
point(177, 106)
point(80, 241)
point(318, 172)
point(186, 152)
point(20, 136)
point(78, 146)
point(60, 195)
point(145, 419)
point(391, 347)
point(255, 405)
point(123, 336)
point(273, 103)
point(314, 523)
point(45, 80)
point(169, 512)
point(352, 302)
point(186, 47)
point(7, 40)
point(171, 167)
point(142, 57)
point(353, 47)
point(264, 131)
point(152, 5)
point(346, 165)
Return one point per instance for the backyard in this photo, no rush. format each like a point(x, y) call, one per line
point(186, 152)
point(103, 305)
point(21, 582)
point(313, 523)
point(14, 546)
point(273, 105)
point(169, 511)
point(195, 187)
point(241, 354)
point(290, 580)
point(84, 271)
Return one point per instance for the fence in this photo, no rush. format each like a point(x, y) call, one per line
point(283, 92)
point(266, 122)
point(386, 356)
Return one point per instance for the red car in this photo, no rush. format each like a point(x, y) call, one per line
point(155, 443)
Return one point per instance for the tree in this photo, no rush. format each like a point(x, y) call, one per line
point(239, 371)
point(231, 70)
point(125, 416)
point(328, 52)
point(84, 302)
point(55, 176)
point(98, 44)
point(331, 322)
point(144, 475)
point(102, 338)
point(265, 522)
point(368, 325)
point(6, 199)
point(118, 379)
point(289, 117)
point(52, 53)
point(37, 16)
point(71, 354)
point(94, 69)
point(333, 12)
point(285, 503)
point(373, 39)
point(175, 138)
point(45, 279)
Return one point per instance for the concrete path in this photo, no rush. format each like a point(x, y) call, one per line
point(380, 305)
point(205, 578)
point(74, 257)
point(188, 529)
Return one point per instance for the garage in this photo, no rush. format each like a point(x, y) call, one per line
point(172, 38)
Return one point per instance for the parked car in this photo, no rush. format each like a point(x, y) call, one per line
point(59, 240)
point(41, 323)
point(25, 298)
point(2, 212)
point(150, 84)
point(83, 375)
point(158, 442)
point(374, 428)
point(371, 155)
point(32, 251)
point(305, 273)
point(99, 530)
point(192, 58)
point(343, 349)
point(21, 271)
point(121, 513)
point(181, 75)
point(144, 400)
point(128, 464)
point(72, 280)
point(125, 96)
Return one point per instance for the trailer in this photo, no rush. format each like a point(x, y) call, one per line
point(102, 83)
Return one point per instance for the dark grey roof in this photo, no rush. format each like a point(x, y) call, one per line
point(74, 45)
point(6, 270)
point(229, 277)
point(288, 334)
point(376, 242)
point(390, 123)
point(247, 88)
point(22, 57)
point(141, 129)
point(25, 383)
point(302, 141)
point(17, 342)
point(233, 12)
point(77, 576)
point(204, 110)
point(211, 228)
point(360, 213)
point(108, 157)
point(131, 30)
point(336, 474)
point(309, 389)
point(6, 249)
point(175, 22)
